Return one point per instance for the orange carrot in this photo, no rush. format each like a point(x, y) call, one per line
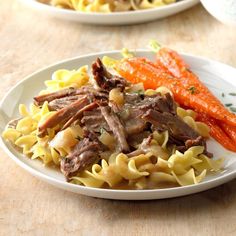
point(138, 70)
point(172, 61)
point(188, 90)
point(230, 131)
point(176, 66)
point(216, 132)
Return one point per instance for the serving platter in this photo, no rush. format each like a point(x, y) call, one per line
point(114, 18)
point(212, 74)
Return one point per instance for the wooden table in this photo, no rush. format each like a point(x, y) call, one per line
point(28, 206)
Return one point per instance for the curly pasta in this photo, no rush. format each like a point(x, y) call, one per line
point(189, 117)
point(24, 135)
point(67, 78)
point(141, 171)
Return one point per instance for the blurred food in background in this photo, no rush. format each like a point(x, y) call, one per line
point(108, 5)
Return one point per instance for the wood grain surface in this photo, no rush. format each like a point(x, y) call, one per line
point(30, 40)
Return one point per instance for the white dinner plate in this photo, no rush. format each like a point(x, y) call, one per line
point(115, 18)
point(216, 76)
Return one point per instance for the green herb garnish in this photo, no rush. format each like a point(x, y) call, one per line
point(139, 92)
point(232, 94)
point(228, 104)
point(192, 89)
point(154, 45)
point(126, 53)
point(233, 109)
point(102, 130)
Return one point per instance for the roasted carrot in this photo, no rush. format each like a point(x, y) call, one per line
point(171, 61)
point(138, 70)
point(176, 66)
point(230, 131)
point(216, 132)
point(187, 90)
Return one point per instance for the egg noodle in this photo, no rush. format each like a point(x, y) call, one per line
point(159, 166)
point(107, 6)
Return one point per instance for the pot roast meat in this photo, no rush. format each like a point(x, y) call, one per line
point(79, 113)
point(135, 107)
point(135, 126)
point(104, 79)
point(135, 140)
point(179, 132)
point(175, 125)
point(170, 103)
point(62, 115)
point(64, 97)
point(39, 100)
point(131, 115)
point(116, 127)
point(60, 103)
point(94, 121)
point(133, 98)
point(162, 103)
point(131, 118)
point(84, 154)
point(96, 94)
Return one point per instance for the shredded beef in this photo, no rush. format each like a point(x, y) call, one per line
point(133, 98)
point(104, 79)
point(136, 106)
point(60, 103)
point(62, 115)
point(84, 154)
point(39, 100)
point(60, 99)
point(133, 122)
point(79, 113)
point(94, 121)
point(158, 102)
point(135, 140)
point(180, 133)
point(116, 127)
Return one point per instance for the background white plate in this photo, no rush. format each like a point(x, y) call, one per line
point(217, 76)
point(115, 18)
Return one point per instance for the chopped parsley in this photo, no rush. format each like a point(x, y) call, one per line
point(102, 130)
point(228, 104)
point(154, 45)
point(126, 53)
point(192, 89)
point(139, 92)
point(232, 94)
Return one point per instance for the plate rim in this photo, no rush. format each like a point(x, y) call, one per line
point(63, 183)
point(40, 5)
